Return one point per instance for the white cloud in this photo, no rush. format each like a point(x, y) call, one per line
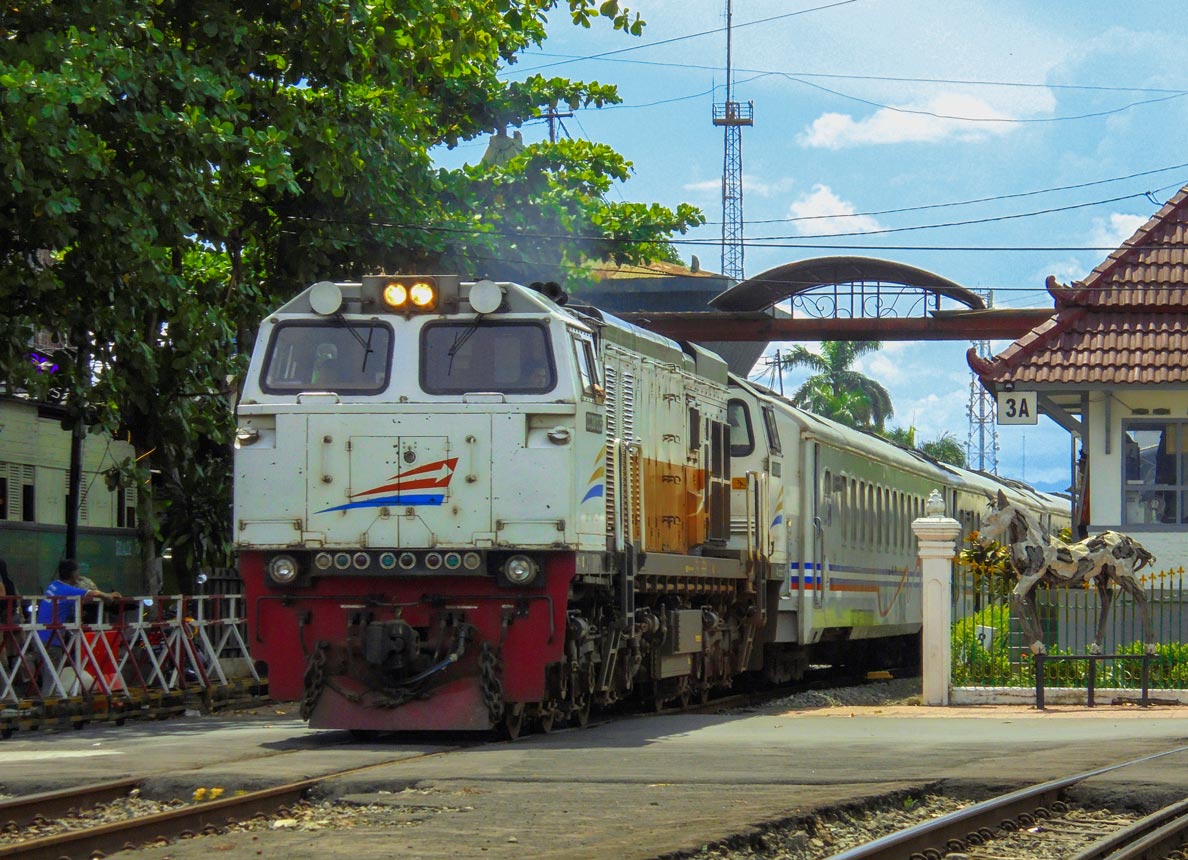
point(828, 214)
point(1065, 271)
point(929, 123)
point(1112, 232)
point(754, 185)
point(714, 185)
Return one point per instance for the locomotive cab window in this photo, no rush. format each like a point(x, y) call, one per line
point(345, 357)
point(587, 365)
point(742, 437)
point(773, 433)
point(508, 358)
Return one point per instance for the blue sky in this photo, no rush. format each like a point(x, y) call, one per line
point(874, 105)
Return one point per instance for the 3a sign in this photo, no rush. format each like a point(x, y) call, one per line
point(1018, 407)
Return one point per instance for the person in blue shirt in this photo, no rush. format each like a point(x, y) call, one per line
point(66, 585)
point(51, 611)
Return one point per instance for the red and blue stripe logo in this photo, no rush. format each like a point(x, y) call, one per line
point(424, 485)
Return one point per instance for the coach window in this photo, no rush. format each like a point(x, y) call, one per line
point(885, 519)
point(344, 357)
point(1155, 472)
point(501, 357)
point(742, 436)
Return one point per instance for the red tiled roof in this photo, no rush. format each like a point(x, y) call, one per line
point(1126, 323)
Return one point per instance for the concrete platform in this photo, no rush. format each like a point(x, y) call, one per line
point(635, 788)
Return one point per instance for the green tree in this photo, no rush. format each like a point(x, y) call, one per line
point(176, 169)
point(835, 390)
point(944, 447)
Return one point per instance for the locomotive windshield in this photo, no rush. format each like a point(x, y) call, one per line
point(352, 358)
point(505, 357)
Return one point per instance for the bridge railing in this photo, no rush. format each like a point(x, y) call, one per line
point(134, 657)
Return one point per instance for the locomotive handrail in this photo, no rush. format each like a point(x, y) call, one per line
point(635, 453)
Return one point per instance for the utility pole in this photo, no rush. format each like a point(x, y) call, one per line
point(776, 365)
point(78, 431)
point(732, 116)
point(554, 119)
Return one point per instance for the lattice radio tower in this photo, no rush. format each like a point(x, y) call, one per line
point(732, 116)
point(981, 445)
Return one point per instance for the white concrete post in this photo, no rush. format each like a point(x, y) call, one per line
point(937, 535)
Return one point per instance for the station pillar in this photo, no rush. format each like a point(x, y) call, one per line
point(937, 536)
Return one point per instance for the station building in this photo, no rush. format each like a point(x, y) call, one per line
point(34, 483)
point(1111, 367)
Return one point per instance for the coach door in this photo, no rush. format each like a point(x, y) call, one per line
point(828, 526)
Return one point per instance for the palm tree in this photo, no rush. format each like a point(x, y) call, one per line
point(838, 391)
point(944, 447)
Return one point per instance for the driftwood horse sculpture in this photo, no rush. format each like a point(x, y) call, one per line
point(1110, 557)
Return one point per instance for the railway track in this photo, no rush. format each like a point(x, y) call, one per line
point(993, 829)
point(88, 842)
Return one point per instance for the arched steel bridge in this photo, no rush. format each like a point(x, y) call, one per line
point(844, 298)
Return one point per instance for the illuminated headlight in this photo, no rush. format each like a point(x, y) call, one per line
point(395, 295)
point(283, 569)
point(520, 570)
point(423, 295)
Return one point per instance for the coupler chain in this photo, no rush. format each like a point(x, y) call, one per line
point(489, 670)
point(315, 679)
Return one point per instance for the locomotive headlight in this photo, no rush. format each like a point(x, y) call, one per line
point(395, 295)
point(520, 570)
point(283, 569)
point(423, 295)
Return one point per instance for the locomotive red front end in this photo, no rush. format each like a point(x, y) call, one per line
point(449, 652)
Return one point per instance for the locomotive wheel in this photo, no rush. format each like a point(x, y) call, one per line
point(513, 720)
point(581, 713)
point(547, 718)
point(658, 700)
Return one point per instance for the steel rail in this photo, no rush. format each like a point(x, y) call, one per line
point(22, 811)
point(123, 835)
point(1157, 835)
point(933, 836)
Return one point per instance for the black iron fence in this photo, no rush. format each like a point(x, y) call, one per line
point(989, 648)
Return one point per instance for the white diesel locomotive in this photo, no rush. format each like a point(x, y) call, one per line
point(467, 505)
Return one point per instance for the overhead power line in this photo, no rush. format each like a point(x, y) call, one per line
point(997, 198)
point(715, 31)
point(969, 222)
